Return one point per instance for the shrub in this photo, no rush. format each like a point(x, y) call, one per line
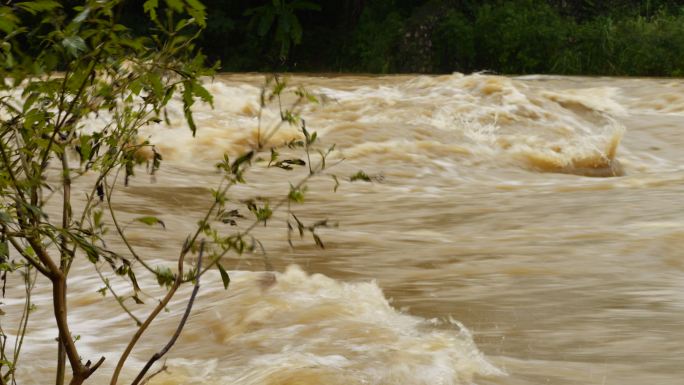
point(517, 36)
point(375, 39)
point(454, 43)
point(590, 48)
point(87, 63)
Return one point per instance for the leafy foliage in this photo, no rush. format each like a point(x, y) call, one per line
point(374, 40)
point(60, 67)
point(504, 33)
point(279, 17)
point(612, 37)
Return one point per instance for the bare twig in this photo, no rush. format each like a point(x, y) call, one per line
point(162, 369)
point(117, 226)
point(118, 298)
point(23, 324)
point(64, 258)
point(10, 171)
point(180, 327)
point(151, 317)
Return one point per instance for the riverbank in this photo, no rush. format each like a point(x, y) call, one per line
point(633, 38)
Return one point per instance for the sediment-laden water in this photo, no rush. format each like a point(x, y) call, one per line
point(524, 231)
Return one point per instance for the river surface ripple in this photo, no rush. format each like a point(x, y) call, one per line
point(525, 231)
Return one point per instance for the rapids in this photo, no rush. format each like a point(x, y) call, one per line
point(525, 231)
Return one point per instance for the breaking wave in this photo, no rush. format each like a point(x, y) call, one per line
point(471, 120)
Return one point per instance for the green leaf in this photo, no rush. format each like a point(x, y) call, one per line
point(296, 31)
point(202, 93)
point(165, 276)
point(190, 120)
point(302, 4)
point(97, 218)
point(82, 16)
point(8, 22)
point(157, 86)
point(245, 158)
point(188, 101)
point(224, 276)
point(287, 164)
point(134, 280)
point(150, 221)
point(318, 241)
point(297, 194)
point(176, 5)
point(31, 117)
point(30, 100)
point(4, 250)
point(265, 23)
point(34, 7)
point(74, 45)
point(150, 6)
point(300, 225)
point(263, 213)
point(92, 252)
point(227, 217)
point(197, 11)
point(360, 175)
point(307, 136)
point(85, 148)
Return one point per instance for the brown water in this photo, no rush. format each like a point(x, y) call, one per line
point(485, 255)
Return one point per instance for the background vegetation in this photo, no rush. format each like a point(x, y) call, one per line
point(608, 37)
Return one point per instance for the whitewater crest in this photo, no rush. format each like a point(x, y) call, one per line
point(490, 120)
point(472, 120)
point(311, 329)
point(469, 120)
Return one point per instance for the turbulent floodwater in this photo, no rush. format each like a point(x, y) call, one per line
point(526, 231)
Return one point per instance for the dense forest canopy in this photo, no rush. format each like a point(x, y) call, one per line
point(611, 37)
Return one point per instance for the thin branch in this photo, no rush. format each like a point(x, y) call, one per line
point(162, 369)
point(23, 325)
point(60, 124)
point(62, 94)
point(20, 144)
point(3, 357)
point(64, 262)
point(51, 268)
point(10, 171)
point(272, 131)
point(103, 175)
point(251, 227)
point(117, 226)
point(117, 297)
point(27, 257)
point(66, 211)
point(186, 248)
point(155, 312)
point(180, 327)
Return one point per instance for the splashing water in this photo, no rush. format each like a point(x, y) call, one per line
point(484, 216)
